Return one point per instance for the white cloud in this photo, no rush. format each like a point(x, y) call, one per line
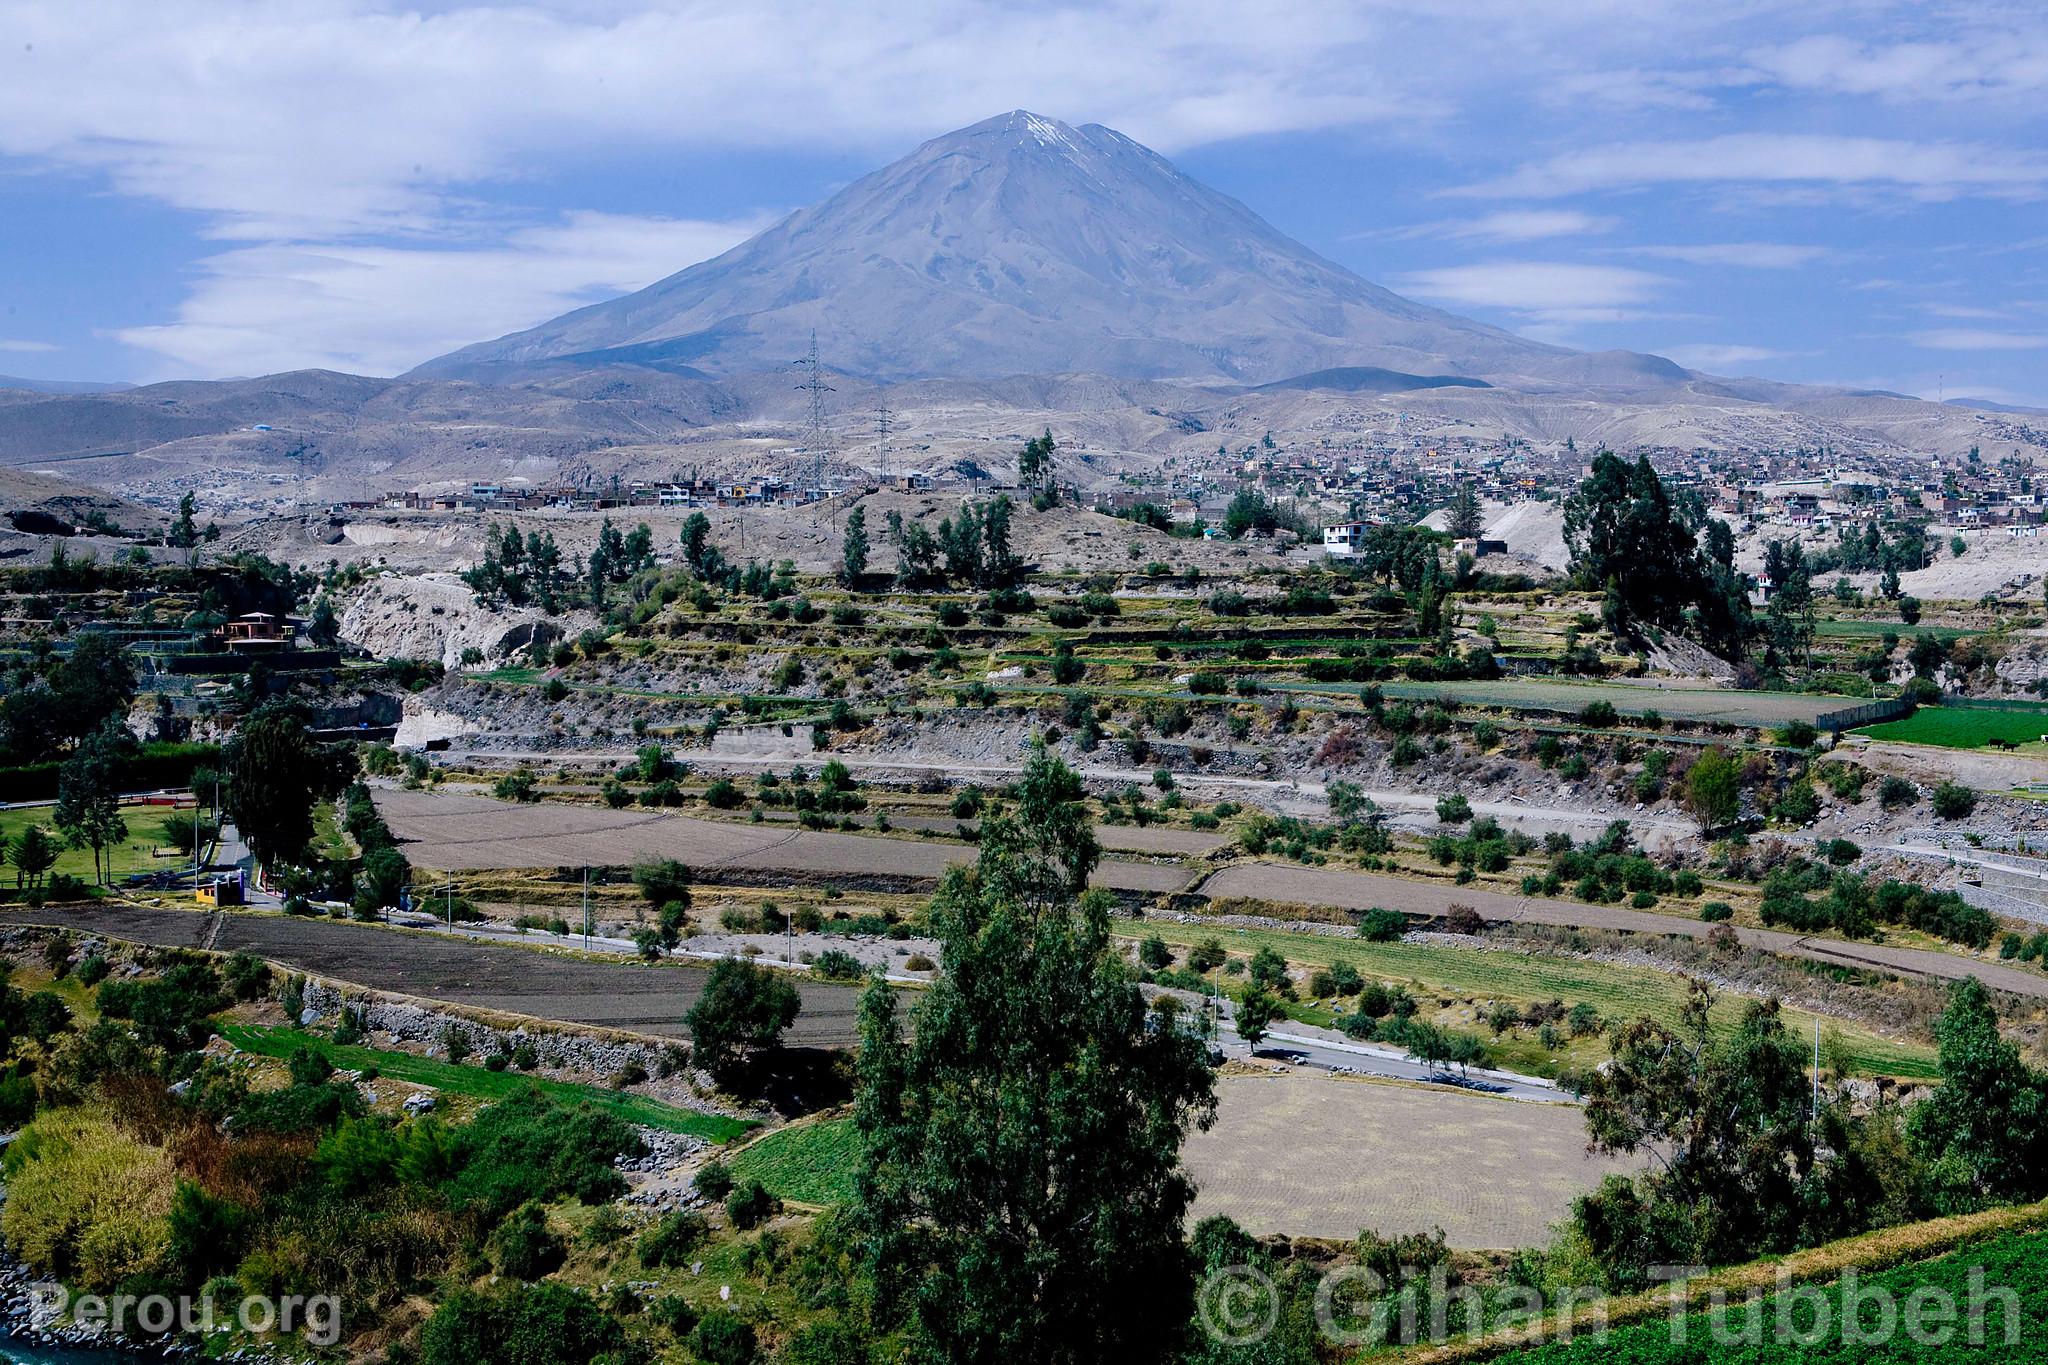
point(1964, 312)
point(1552, 292)
point(1515, 225)
point(1994, 62)
point(382, 309)
point(1751, 255)
point(1717, 358)
point(1972, 339)
point(25, 347)
point(1933, 170)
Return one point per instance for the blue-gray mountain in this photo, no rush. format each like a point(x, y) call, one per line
point(1022, 245)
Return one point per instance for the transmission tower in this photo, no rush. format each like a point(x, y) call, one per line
point(814, 430)
point(882, 439)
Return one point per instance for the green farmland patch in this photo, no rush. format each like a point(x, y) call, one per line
point(812, 1163)
point(1959, 727)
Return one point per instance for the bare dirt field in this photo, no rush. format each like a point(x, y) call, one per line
point(623, 995)
point(1700, 705)
point(1365, 890)
point(1315, 1155)
point(467, 833)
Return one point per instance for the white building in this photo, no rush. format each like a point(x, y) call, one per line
point(1343, 538)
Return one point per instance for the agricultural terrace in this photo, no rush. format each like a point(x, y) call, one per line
point(1454, 986)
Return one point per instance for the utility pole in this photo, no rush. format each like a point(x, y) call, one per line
point(586, 909)
point(1814, 1113)
point(882, 439)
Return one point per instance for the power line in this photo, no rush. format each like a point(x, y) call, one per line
point(882, 439)
point(814, 430)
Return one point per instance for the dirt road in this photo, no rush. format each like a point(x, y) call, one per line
point(622, 995)
point(1364, 890)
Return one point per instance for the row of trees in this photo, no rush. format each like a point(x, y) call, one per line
point(529, 570)
point(973, 548)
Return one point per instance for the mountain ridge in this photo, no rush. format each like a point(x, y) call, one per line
point(1022, 245)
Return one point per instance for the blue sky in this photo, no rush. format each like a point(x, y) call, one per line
point(1850, 193)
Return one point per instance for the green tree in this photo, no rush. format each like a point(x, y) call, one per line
point(1256, 1012)
point(33, 852)
point(1467, 518)
point(1726, 1127)
point(1632, 540)
point(1034, 462)
point(277, 772)
point(1984, 1131)
point(663, 881)
point(740, 1016)
point(322, 627)
point(1020, 1196)
point(184, 529)
point(88, 807)
point(1713, 789)
point(853, 550)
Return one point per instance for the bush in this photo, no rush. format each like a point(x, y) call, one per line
point(1953, 802)
point(713, 1181)
point(671, 1240)
point(1713, 912)
point(517, 1325)
point(723, 1339)
point(750, 1204)
point(1894, 792)
point(836, 964)
point(1599, 715)
point(1382, 926)
point(525, 1247)
point(1453, 809)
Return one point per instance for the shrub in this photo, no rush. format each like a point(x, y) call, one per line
point(1894, 792)
point(1599, 715)
point(525, 1247)
point(723, 1339)
point(750, 1204)
point(836, 964)
point(671, 1240)
point(918, 962)
point(713, 1180)
point(516, 1324)
point(1382, 926)
point(1953, 802)
point(1453, 809)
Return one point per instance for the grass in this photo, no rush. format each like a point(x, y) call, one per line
point(1619, 993)
point(811, 1163)
point(480, 1082)
point(1956, 727)
point(145, 832)
point(2017, 1261)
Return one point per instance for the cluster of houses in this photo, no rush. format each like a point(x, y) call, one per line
point(500, 497)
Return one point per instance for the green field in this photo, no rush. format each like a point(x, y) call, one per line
point(145, 833)
point(1964, 727)
point(811, 1163)
point(1619, 993)
point(2015, 1261)
point(481, 1082)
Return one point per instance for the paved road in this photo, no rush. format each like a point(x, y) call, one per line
point(623, 995)
point(1365, 890)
